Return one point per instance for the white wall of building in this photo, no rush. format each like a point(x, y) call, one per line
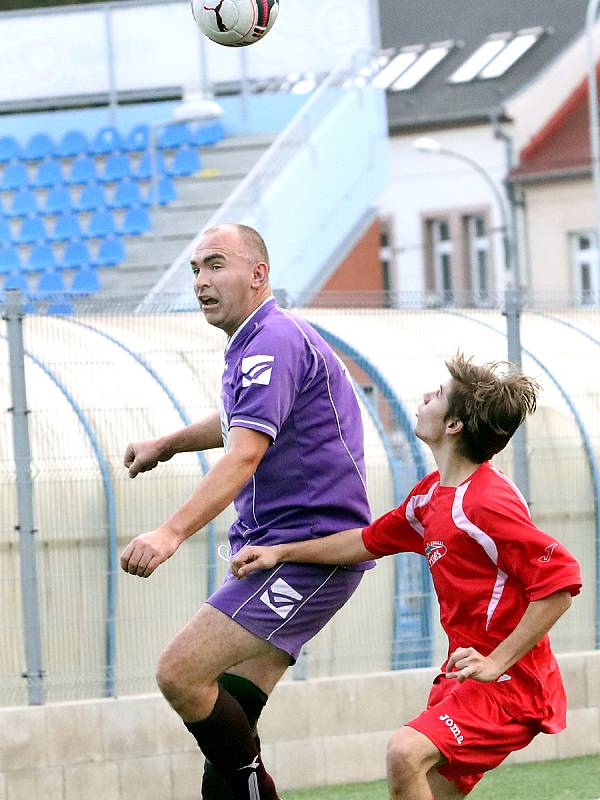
point(422, 184)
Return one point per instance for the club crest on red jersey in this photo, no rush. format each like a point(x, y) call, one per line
point(548, 553)
point(434, 551)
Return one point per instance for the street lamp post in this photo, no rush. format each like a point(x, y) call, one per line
point(592, 11)
point(512, 307)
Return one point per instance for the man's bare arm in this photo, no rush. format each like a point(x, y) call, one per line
point(217, 489)
point(539, 617)
point(345, 547)
point(203, 435)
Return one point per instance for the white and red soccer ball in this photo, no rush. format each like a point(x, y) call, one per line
point(235, 23)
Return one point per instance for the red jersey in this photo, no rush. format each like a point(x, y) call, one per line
point(488, 561)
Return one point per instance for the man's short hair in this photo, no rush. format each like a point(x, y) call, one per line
point(254, 242)
point(491, 401)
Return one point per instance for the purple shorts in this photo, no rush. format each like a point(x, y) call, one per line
point(288, 604)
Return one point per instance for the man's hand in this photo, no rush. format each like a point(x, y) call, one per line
point(144, 456)
point(468, 663)
point(148, 551)
point(250, 559)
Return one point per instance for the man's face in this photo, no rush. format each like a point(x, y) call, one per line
point(224, 279)
point(431, 425)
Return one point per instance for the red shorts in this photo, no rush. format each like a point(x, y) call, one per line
point(469, 724)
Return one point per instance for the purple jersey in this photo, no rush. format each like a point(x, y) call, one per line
point(283, 379)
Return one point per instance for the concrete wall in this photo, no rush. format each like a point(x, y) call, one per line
point(325, 731)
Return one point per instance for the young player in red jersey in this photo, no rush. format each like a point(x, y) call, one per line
point(501, 584)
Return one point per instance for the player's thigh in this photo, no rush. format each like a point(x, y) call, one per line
point(210, 644)
point(410, 749)
point(441, 788)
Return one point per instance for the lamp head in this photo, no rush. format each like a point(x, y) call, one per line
point(425, 144)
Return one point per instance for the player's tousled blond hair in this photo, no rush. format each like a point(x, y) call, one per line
point(491, 400)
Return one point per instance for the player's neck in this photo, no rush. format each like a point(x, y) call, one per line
point(454, 469)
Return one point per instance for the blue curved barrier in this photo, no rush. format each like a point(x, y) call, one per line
point(413, 631)
point(109, 494)
point(595, 341)
point(204, 466)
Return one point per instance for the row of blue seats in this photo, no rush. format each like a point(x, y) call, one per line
point(53, 283)
point(67, 227)
point(24, 203)
point(77, 255)
point(109, 140)
point(84, 169)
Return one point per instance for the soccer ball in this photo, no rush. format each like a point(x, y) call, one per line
point(235, 23)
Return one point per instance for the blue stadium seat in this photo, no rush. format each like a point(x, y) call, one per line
point(16, 281)
point(5, 232)
point(101, 224)
point(15, 177)
point(9, 149)
point(10, 261)
point(49, 174)
point(83, 170)
point(92, 198)
point(116, 168)
point(186, 162)
point(76, 256)
point(166, 192)
point(110, 253)
point(58, 201)
point(107, 140)
point(49, 283)
point(32, 231)
point(174, 136)
point(127, 194)
point(145, 170)
point(85, 282)
point(66, 228)
point(60, 309)
point(136, 222)
point(40, 259)
point(39, 146)
point(23, 204)
point(208, 134)
point(138, 139)
point(73, 143)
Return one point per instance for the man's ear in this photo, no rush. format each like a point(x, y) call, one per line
point(260, 275)
point(454, 426)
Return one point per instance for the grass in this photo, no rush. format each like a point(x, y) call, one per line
point(570, 779)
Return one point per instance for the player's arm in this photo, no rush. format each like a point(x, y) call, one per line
point(345, 547)
point(203, 435)
point(539, 617)
point(217, 489)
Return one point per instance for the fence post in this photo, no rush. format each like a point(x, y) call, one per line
point(512, 312)
point(22, 455)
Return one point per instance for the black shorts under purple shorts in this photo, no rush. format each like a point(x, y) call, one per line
point(288, 604)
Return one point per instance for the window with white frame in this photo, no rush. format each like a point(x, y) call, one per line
point(442, 257)
point(584, 254)
point(479, 258)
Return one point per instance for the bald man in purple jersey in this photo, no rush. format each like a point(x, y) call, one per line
point(294, 468)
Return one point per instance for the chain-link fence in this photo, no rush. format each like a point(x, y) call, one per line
point(74, 626)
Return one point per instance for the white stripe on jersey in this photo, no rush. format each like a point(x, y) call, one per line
point(416, 501)
point(513, 486)
point(270, 428)
point(487, 543)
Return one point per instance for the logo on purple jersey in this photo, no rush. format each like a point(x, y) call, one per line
point(257, 369)
point(280, 597)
